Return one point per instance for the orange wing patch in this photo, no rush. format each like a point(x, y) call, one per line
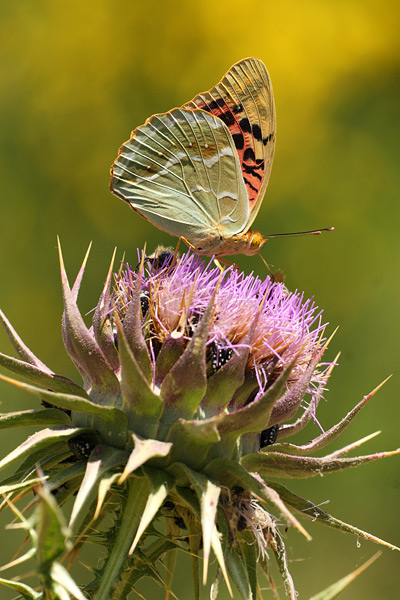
point(243, 100)
point(244, 135)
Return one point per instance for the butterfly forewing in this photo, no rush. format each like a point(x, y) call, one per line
point(180, 170)
point(243, 100)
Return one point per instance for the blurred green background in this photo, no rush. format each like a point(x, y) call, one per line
point(78, 76)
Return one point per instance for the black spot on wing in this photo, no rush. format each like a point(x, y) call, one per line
point(257, 132)
point(228, 118)
point(238, 108)
point(244, 125)
point(216, 104)
point(249, 154)
point(238, 140)
point(267, 139)
point(247, 182)
point(212, 106)
point(251, 171)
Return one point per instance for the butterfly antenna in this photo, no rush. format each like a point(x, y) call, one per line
point(298, 233)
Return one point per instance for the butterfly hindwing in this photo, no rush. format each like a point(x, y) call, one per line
point(243, 100)
point(180, 170)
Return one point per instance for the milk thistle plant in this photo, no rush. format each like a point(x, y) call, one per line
point(193, 381)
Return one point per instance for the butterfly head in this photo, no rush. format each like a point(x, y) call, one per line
point(254, 242)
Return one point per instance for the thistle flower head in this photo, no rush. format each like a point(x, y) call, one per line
point(189, 376)
point(259, 319)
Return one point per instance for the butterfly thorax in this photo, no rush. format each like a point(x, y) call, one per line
point(248, 243)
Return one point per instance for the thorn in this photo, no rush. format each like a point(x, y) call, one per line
point(378, 387)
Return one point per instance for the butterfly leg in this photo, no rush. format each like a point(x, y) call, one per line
point(187, 243)
point(218, 262)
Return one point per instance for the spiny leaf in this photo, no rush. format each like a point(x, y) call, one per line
point(31, 553)
point(295, 467)
point(316, 514)
point(136, 498)
point(336, 588)
point(255, 416)
point(140, 403)
point(236, 564)
point(306, 449)
point(60, 576)
point(160, 483)
point(102, 327)
point(132, 329)
point(208, 495)
point(198, 435)
point(43, 439)
point(328, 436)
point(23, 351)
point(83, 348)
point(66, 474)
point(46, 416)
point(104, 487)
point(36, 376)
point(25, 590)
point(71, 402)
point(279, 551)
point(143, 451)
point(52, 531)
point(230, 473)
point(15, 487)
point(46, 458)
point(102, 460)
point(200, 485)
point(185, 385)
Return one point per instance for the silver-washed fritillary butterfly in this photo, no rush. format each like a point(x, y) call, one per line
point(200, 171)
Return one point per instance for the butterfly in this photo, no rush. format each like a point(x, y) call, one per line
point(200, 171)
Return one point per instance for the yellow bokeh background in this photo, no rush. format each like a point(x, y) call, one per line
point(78, 76)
